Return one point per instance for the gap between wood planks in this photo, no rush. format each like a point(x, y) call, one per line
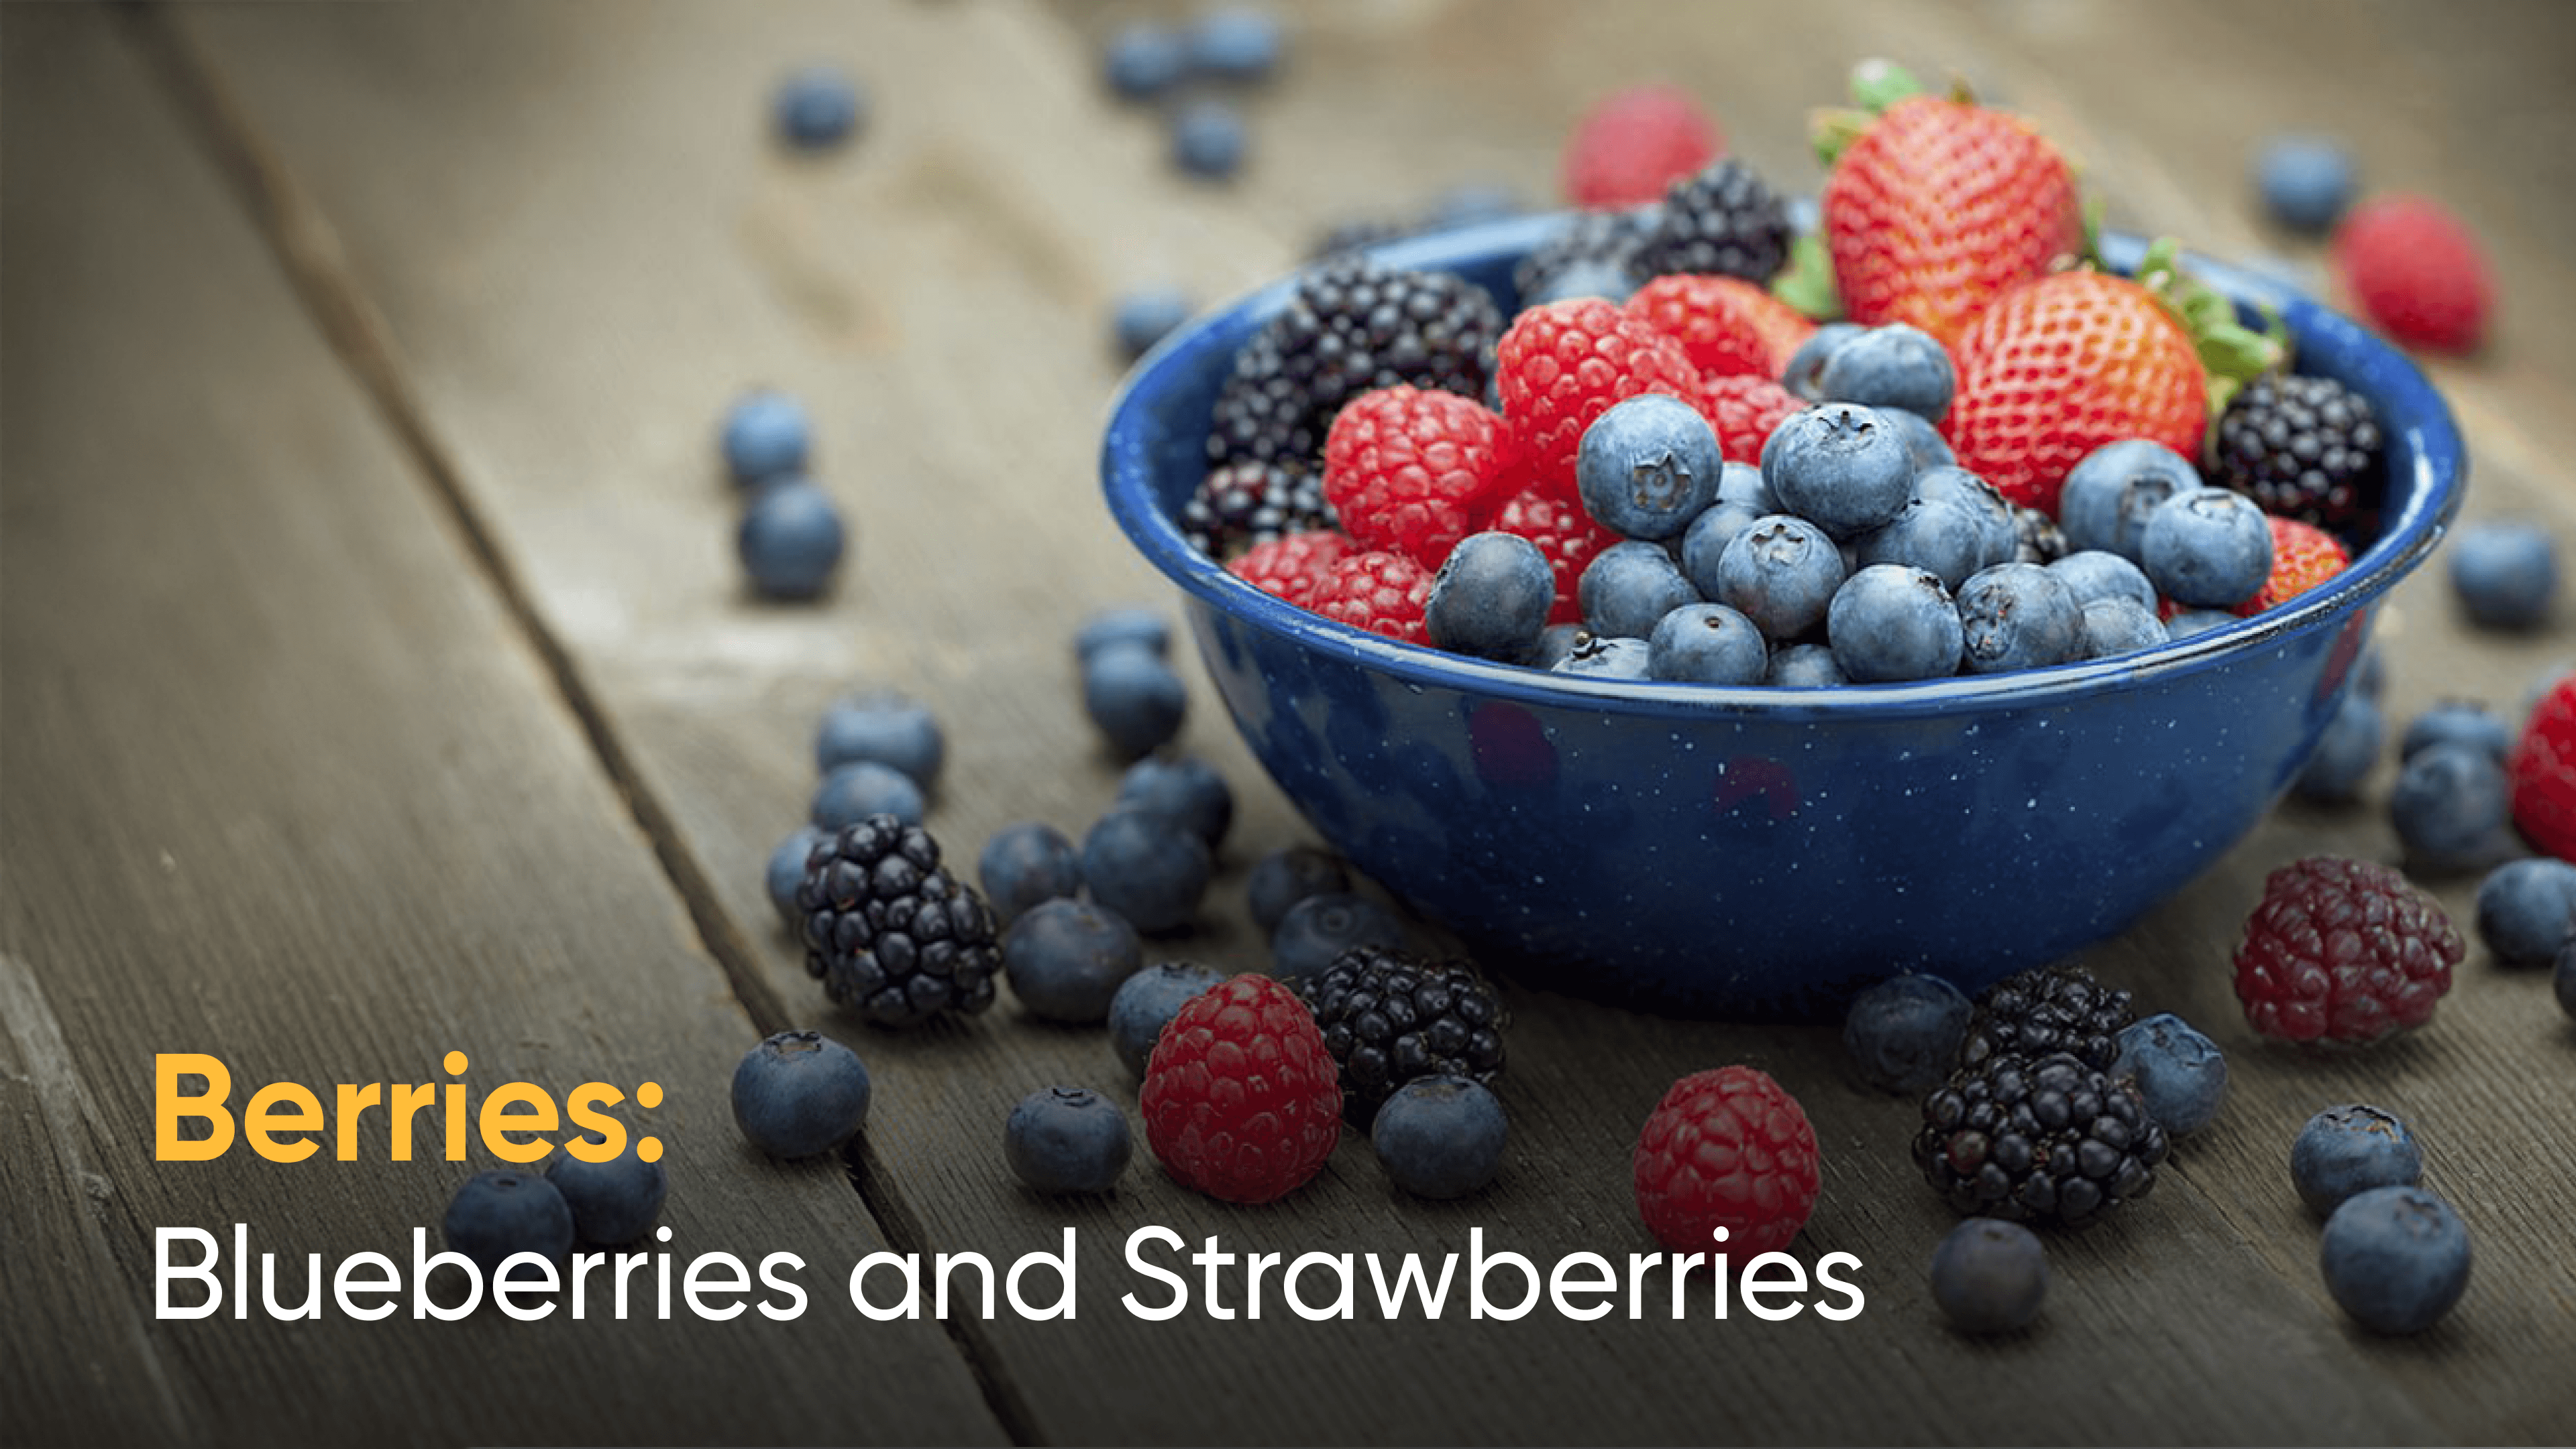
point(309, 252)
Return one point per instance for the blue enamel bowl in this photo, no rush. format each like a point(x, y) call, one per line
point(1759, 853)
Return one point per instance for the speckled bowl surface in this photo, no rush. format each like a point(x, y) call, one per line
point(1761, 853)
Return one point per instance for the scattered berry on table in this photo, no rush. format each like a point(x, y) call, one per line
point(1147, 868)
point(1123, 624)
point(612, 1202)
point(1237, 43)
point(800, 1093)
point(1780, 572)
point(1804, 373)
point(1726, 1149)
point(2207, 549)
point(1143, 60)
point(1243, 505)
point(787, 871)
point(2095, 573)
point(1441, 1137)
point(791, 538)
point(1608, 656)
point(2345, 753)
point(1805, 666)
point(1027, 862)
point(1746, 411)
point(498, 1214)
point(2526, 910)
point(2305, 181)
point(1290, 567)
point(2543, 771)
point(1591, 255)
point(1723, 220)
point(2395, 1258)
point(1379, 590)
point(1241, 1101)
point(2351, 1149)
point(2307, 448)
point(1282, 878)
point(1840, 466)
point(1629, 587)
point(1707, 644)
point(1146, 316)
point(818, 106)
point(766, 435)
point(2303, 556)
point(2452, 807)
point(2018, 616)
point(2180, 1073)
point(2343, 951)
point(1990, 1275)
point(1208, 138)
point(1892, 622)
point(1726, 325)
point(1569, 537)
point(1904, 1033)
point(889, 932)
point(1065, 959)
point(2505, 574)
point(2415, 271)
point(1134, 698)
point(2045, 1139)
point(1561, 365)
point(1648, 466)
point(1067, 1139)
point(1412, 469)
point(2120, 626)
point(886, 726)
point(1895, 366)
point(1490, 598)
point(2048, 1009)
point(853, 792)
point(1314, 933)
point(1389, 1017)
point(1146, 1002)
point(1184, 789)
point(1635, 142)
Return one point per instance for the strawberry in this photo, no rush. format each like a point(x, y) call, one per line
point(2542, 768)
point(2415, 272)
point(1726, 324)
point(2303, 556)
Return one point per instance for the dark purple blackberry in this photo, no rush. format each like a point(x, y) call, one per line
point(2047, 1009)
point(1606, 241)
point(1351, 325)
point(2041, 541)
point(1247, 503)
point(1724, 220)
point(1390, 1017)
point(2038, 1140)
point(2303, 447)
point(890, 933)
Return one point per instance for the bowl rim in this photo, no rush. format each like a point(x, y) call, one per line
point(2416, 423)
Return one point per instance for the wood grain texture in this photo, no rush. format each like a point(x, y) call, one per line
point(283, 785)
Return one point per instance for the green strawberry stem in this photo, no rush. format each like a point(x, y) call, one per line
point(1876, 84)
point(1807, 283)
point(2231, 353)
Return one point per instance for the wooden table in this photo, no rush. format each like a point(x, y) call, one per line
point(379, 682)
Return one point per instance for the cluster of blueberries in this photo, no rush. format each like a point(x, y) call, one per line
point(1190, 71)
point(791, 537)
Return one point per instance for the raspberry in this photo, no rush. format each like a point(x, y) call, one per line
point(1726, 1149)
point(1241, 1101)
point(2343, 951)
point(1563, 530)
point(1562, 364)
point(1380, 591)
point(1412, 469)
point(2542, 768)
point(1290, 567)
point(1634, 143)
point(2415, 272)
point(1726, 324)
point(2303, 556)
point(1744, 409)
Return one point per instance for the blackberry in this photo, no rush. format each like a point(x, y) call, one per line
point(2045, 1010)
point(1350, 326)
point(2303, 447)
point(1391, 1017)
point(1247, 503)
point(2038, 538)
point(892, 935)
point(2048, 1139)
point(1607, 240)
point(1724, 220)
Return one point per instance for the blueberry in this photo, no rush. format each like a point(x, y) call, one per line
point(1707, 644)
point(2349, 1149)
point(2210, 548)
point(1555, 642)
point(1805, 373)
point(1923, 442)
point(612, 1202)
point(1840, 466)
point(2452, 809)
point(1146, 316)
point(1025, 863)
point(1905, 1032)
point(1237, 43)
point(817, 106)
point(1647, 466)
point(1284, 877)
point(1704, 542)
point(1123, 624)
point(2562, 978)
point(1147, 869)
point(2120, 626)
point(1587, 278)
point(1474, 203)
point(1781, 573)
point(1600, 656)
point(1134, 698)
point(1947, 482)
point(1183, 789)
point(2505, 574)
point(799, 1093)
point(1894, 366)
point(1208, 138)
point(1937, 535)
point(2181, 1074)
point(2097, 573)
point(886, 726)
point(498, 1214)
point(2305, 181)
point(1741, 484)
point(1146, 1002)
point(1320, 928)
point(1490, 597)
point(2112, 491)
point(1067, 1139)
point(1804, 666)
point(2344, 753)
point(2017, 616)
point(2187, 622)
point(1891, 622)
point(855, 791)
point(766, 435)
point(1628, 587)
point(1990, 1276)
point(2395, 1258)
point(791, 538)
point(1440, 1137)
point(2527, 910)
point(1066, 959)
point(787, 872)
point(1144, 60)
point(2457, 721)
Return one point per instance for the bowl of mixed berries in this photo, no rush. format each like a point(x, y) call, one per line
point(1717, 605)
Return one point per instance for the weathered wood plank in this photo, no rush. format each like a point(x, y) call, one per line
point(285, 785)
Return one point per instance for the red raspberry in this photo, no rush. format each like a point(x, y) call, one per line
point(1633, 143)
point(1562, 364)
point(2343, 951)
point(1291, 565)
point(2303, 556)
point(1726, 324)
point(1414, 469)
point(1564, 531)
point(2415, 272)
point(1241, 1100)
point(1744, 409)
point(1726, 1149)
point(1380, 591)
point(2542, 768)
